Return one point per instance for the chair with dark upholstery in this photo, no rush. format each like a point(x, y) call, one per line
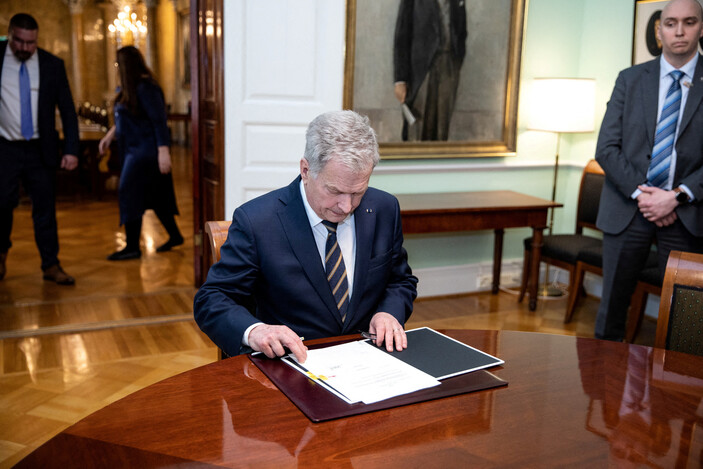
point(590, 259)
point(561, 250)
point(680, 322)
point(649, 282)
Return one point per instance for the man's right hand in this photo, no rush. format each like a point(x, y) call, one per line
point(401, 91)
point(271, 340)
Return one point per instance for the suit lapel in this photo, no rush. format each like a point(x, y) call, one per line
point(695, 94)
point(649, 97)
point(296, 226)
point(365, 221)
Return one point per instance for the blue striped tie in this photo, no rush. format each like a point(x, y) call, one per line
point(336, 270)
point(26, 104)
point(664, 139)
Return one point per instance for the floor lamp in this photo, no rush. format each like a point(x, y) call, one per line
point(560, 105)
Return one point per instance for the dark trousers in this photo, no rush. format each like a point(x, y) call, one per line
point(22, 162)
point(624, 257)
point(133, 229)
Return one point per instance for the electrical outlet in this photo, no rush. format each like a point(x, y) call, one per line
point(507, 279)
point(484, 281)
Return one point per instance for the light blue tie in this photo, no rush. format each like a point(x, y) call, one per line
point(26, 103)
point(664, 139)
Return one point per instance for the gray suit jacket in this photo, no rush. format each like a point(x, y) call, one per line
point(625, 146)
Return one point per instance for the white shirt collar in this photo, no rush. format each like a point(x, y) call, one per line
point(689, 69)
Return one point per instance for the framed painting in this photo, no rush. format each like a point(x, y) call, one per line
point(481, 44)
point(646, 45)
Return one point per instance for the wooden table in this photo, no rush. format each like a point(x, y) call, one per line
point(482, 210)
point(570, 402)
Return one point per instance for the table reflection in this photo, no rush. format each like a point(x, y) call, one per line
point(356, 439)
point(646, 422)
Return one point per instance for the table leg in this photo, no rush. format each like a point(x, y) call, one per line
point(497, 259)
point(535, 257)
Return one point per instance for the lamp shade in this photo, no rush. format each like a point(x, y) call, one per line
point(562, 105)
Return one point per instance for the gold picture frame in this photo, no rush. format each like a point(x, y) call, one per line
point(487, 126)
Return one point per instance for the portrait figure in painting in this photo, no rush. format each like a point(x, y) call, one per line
point(654, 45)
point(450, 66)
point(428, 53)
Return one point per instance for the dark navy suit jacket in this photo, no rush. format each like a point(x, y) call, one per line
point(53, 91)
point(625, 146)
point(270, 271)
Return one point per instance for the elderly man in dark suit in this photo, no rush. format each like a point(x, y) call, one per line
point(651, 148)
point(319, 258)
point(34, 84)
point(428, 52)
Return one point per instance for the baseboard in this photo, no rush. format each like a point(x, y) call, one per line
point(471, 278)
point(466, 278)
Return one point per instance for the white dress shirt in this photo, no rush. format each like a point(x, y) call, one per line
point(665, 81)
point(10, 110)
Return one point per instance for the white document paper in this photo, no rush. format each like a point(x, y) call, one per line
point(360, 372)
point(408, 114)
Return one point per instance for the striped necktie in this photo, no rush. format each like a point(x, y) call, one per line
point(335, 269)
point(664, 139)
point(26, 104)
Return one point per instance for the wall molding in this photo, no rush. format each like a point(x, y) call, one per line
point(390, 168)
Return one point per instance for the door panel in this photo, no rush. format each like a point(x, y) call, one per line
point(208, 112)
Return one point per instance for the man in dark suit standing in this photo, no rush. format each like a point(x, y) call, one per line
point(651, 149)
point(321, 257)
point(34, 83)
point(428, 52)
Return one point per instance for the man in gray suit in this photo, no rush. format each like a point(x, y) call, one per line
point(651, 148)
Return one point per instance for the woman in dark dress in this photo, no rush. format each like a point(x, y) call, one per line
point(143, 142)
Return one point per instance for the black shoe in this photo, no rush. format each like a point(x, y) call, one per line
point(171, 243)
point(125, 255)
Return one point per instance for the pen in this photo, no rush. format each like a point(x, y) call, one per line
point(368, 335)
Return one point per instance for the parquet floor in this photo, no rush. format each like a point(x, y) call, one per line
point(68, 351)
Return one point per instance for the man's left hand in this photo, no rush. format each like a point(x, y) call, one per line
point(69, 162)
point(388, 330)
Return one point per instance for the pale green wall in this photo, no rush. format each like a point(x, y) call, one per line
point(563, 38)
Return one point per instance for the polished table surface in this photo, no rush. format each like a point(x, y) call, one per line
point(569, 402)
point(481, 210)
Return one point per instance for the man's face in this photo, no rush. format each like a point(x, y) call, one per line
point(336, 191)
point(679, 31)
point(23, 42)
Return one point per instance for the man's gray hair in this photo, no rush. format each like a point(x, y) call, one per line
point(343, 135)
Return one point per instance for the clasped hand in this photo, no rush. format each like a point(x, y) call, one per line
point(657, 205)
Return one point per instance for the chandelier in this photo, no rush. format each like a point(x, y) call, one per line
point(128, 29)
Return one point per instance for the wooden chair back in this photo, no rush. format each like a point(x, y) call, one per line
point(680, 322)
point(592, 180)
point(217, 235)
